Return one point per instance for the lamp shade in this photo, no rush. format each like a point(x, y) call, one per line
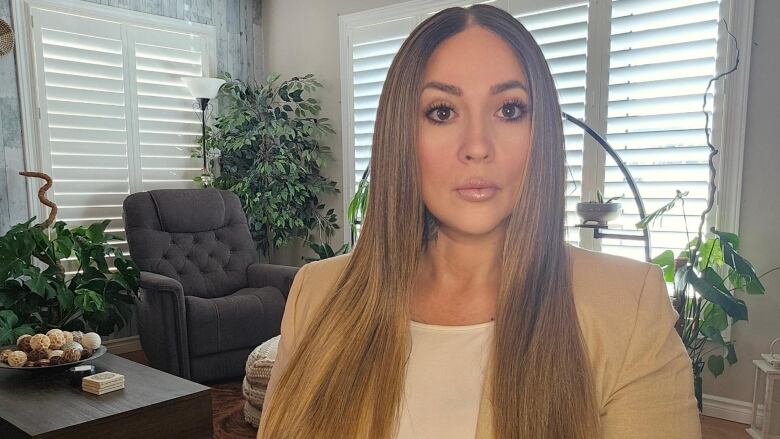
point(203, 87)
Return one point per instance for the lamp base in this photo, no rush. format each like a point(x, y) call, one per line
point(206, 178)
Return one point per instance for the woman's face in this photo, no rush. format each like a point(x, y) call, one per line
point(474, 123)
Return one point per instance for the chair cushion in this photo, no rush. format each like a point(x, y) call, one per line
point(239, 320)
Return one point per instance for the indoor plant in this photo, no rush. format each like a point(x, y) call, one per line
point(271, 154)
point(38, 292)
point(714, 269)
point(599, 211)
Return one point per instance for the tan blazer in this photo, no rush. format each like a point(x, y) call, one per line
point(643, 375)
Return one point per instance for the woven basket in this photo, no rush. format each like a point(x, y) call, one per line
point(6, 38)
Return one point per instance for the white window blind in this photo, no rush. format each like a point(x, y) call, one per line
point(662, 55)
point(373, 49)
point(115, 117)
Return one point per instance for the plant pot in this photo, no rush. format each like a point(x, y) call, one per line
point(598, 212)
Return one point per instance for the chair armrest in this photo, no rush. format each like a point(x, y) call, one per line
point(280, 276)
point(162, 323)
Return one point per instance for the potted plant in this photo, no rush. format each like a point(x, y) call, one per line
point(58, 277)
point(599, 211)
point(271, 151)
point(715, 270)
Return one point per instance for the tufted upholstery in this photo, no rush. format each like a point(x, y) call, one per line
point(205, 301)
point(209, 256)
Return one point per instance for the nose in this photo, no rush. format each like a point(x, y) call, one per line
point(477, 143)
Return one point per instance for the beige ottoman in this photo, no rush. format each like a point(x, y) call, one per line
point(258, 372)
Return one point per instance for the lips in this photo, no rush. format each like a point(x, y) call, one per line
point(477, 189)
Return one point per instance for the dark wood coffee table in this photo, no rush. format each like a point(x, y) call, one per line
point(153, 404)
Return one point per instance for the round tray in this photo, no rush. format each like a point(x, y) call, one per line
point(98, 352)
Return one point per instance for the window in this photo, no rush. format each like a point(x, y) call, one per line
point(113, 116)
point(647, 64)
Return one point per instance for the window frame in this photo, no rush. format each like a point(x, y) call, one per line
point(34, 155)
point(727, 127)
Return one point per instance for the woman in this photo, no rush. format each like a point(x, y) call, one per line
point(461, 276)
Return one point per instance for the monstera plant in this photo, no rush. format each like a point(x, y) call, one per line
point(58, 277)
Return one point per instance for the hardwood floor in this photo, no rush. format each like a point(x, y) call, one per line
point(714, 428)
point(227, 400)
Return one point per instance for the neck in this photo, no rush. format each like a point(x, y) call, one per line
point(455, 265)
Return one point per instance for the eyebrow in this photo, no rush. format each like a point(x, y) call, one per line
point(496, 89)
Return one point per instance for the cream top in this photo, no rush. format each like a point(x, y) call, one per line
point(445, 373)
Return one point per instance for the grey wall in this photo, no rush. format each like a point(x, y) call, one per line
point(239, 51)
point(291, 53)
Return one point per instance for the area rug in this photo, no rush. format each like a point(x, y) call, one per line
point(227, 403)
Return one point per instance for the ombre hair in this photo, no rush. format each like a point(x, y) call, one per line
point(346, 377)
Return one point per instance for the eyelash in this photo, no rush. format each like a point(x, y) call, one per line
point(516, 102)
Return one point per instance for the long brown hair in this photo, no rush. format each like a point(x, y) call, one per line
point(346, 377)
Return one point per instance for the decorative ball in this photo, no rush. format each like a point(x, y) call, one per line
point(55, 360)
point(29, 364)
point(73, 345)
point(4, 355)
point(43, 362)
point(68, 336)
point(17, 358)
point(23, 343)
point(40, 341)
point(70, 355)
point(77, 336)
point(91, 340)
point(55, 353)
point(37, 354)
point(56, 337)
point(86, 353)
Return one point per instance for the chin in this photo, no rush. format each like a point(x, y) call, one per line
point(472, 226)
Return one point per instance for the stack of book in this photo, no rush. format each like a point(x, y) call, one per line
point(103, 382)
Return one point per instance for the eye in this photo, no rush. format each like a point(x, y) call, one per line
point(439, 113)
point(513, 110)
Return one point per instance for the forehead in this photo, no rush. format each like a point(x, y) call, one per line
point(474, 59)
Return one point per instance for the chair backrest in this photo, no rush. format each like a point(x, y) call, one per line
point(199, 237)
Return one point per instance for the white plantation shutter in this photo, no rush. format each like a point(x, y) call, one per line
point(114, 116)
point(373, 49)
point(167, 125)
point(662, 54)
point(82, 83)
point(562, 35)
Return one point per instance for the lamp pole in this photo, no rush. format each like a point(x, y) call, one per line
point(205, 174)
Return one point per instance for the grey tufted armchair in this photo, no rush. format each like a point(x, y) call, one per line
point(205, 302)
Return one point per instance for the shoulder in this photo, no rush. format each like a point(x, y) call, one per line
point(597, 276)
point(317, 279)
point(608, 294)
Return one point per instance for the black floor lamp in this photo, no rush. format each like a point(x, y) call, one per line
point(203, 90)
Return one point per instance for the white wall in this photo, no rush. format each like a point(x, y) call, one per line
point(301, 36)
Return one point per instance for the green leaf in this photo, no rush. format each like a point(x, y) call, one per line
point(714, 316)
point(715, 364)
point(88, 300)
point(732, 354)
point(731, 238)
point(650, 218)
point(714, 293)
point(666, 261)
point(742, 266)
point(713, 334)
